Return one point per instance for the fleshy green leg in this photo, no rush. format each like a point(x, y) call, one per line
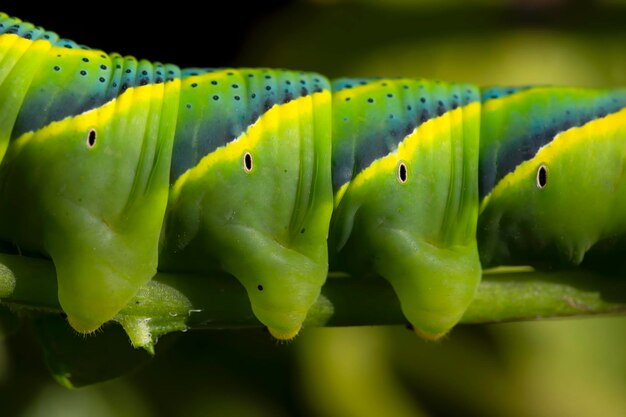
point(410, 215)
point(434, 284)
point(91, 191)
point(259, 208)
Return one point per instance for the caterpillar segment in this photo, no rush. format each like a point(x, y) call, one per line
point(405, 158)
point(553, 189)
point(251, 187)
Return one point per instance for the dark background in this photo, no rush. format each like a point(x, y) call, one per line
point(176, 34)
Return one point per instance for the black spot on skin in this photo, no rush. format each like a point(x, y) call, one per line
point(194, 85)
point(247, 162)
point(542, 176)
point(402, 173)
point(214, 82)
point(216, 97)
point(370, 100)
point(348, 98)
point(57, 68)
point(91, 138)
point(83, 72)
point(237, 98)
point(102, 79)
point(441, 109)
point(103, 67)
point(303, 230)
point(85, 59)
point(260, 287)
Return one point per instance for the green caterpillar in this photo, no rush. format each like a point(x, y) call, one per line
point(115, 168)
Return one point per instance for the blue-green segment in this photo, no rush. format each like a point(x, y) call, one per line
point(218, 105)
point(74, 79)
point(372, 116)
point(520, 125)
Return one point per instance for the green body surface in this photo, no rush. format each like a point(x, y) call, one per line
point(88, 190)
point(99, 146)
point(114, 168)
point(408, 209)
point(553, 178)
point(259, 206)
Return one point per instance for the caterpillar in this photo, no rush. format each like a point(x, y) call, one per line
point(115, 168)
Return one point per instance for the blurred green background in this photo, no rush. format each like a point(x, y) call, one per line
point(550, 368)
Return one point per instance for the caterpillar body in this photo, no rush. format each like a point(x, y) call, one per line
point(115, 168)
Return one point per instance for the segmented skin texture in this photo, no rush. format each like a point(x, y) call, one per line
point(115, 167)
point(552, 175)
point(408, 210)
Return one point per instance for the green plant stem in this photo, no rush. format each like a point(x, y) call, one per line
point(181, 301)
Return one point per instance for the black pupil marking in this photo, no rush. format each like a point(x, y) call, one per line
point(260, 287)
point(91, 138)
point(402, 173)
point(542, 176)
point(247, 162)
